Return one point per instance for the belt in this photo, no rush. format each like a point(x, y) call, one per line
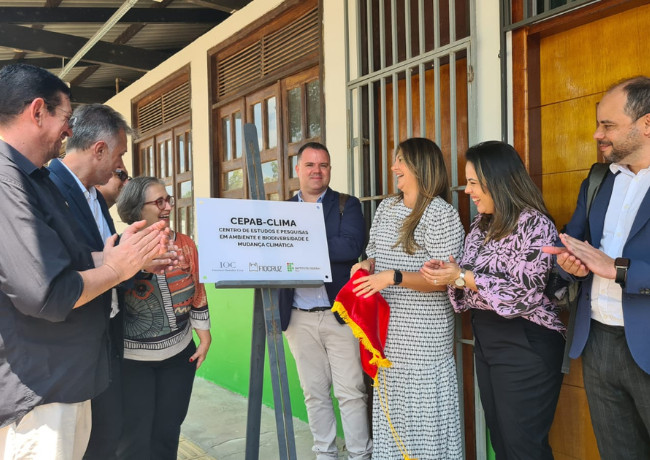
point(312, 309)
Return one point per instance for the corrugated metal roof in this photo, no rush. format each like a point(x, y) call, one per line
point(60, 29)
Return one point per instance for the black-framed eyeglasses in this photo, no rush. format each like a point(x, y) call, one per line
point(160, 202)
point(122, 175)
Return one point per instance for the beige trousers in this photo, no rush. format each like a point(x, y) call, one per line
point(53, 431)
point(327, 355)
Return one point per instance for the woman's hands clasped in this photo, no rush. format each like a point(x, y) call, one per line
point(439, 272)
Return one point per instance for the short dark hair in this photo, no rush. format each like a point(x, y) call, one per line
point(20, 84)
point(637, 90)
point(96, 122)
point(131, 200)
point(312, 145)
point(502, 174)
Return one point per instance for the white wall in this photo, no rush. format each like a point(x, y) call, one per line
point(487, 71)
point(334, 90)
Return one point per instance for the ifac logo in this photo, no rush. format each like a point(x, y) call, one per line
point(290, 266)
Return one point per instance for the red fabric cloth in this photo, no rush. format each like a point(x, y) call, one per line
point(368, 318)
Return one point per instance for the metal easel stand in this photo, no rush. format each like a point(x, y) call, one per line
point(266, 323)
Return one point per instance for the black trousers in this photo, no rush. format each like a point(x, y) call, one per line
point(107, 417)
point(518, 371)
point(618, 392)
point(155, 395)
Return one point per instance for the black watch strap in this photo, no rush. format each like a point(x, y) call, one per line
point(397, 277)
point(622, 264)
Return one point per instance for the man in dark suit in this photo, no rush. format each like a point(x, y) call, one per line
point(93, 155)
point(613, 316)
point(326, 352)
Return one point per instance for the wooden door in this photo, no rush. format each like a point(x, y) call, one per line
point(569, 71)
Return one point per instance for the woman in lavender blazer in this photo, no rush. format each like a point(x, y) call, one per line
point(501, 279)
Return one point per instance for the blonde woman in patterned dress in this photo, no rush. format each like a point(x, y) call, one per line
point(414, 226)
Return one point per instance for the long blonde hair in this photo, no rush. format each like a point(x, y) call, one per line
point(424, 159)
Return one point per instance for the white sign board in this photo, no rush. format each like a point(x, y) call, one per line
point(256, 240)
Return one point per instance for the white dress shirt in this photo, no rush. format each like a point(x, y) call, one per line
point(102, 226)
point(308, 298)
point(627, 194)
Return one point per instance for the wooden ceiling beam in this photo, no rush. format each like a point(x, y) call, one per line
point(221, 5)
point(31, 15)
point(84, 95)
point(63, 45)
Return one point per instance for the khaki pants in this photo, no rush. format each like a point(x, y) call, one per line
point(53, 431)
point(327, 355)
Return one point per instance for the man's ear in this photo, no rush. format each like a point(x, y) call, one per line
point(646, 124)
point(37, 109)
point(99, 149)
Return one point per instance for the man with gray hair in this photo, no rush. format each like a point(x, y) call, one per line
point(93, 154)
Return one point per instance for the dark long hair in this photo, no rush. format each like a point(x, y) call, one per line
point(502, 174)
point(424, 159)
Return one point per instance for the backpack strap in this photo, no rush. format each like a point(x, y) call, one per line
point(597, 175)
point(343, 198)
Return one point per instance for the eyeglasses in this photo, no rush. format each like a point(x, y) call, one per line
point(160, 202)
point(122, 175)
point(69, 119)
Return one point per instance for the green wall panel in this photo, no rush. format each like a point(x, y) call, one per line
point(228, 361)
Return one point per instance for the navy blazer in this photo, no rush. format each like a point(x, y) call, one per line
point(78, 205)
point(346, 236)
point(636, 294)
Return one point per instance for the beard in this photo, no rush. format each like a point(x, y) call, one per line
point(630, 145)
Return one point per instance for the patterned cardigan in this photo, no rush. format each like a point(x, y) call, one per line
point(161, 311)
point(511, 273)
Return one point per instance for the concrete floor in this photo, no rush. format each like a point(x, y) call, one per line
point(215, 428)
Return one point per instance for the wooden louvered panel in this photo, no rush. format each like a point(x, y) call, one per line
point(164, 108)
point(150, 115)
point(268, 54)
point(176, 102)
point(291, 43)
point(241, 68)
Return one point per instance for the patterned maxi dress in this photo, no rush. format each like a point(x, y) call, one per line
point(422, 385)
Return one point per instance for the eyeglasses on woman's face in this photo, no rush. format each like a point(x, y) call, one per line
point(160, 202)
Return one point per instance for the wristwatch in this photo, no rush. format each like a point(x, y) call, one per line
point(622, 264)
point(460, 281)
point(397, 277)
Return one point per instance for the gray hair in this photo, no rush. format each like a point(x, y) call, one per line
point(96, 122)
point(131, 200)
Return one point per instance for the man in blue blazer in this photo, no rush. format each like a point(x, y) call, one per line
point(326, 352)
point(612, 331)
point(93, 154)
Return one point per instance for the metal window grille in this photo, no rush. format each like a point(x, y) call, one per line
point(407, 63)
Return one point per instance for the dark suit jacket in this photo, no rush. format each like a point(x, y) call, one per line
point(78, 205)
point(346, 236)
point(636, 295)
